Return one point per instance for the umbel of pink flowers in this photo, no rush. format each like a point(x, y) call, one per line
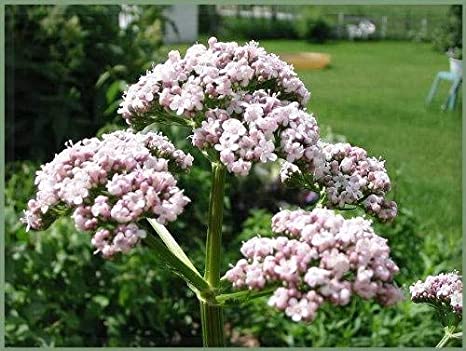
point(317, 256)
point(109, 185)
point(244, 106)
point(444, 290)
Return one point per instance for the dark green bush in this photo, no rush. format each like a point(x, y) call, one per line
point(449, 35)
point(58, 293)
point(314, 26)
point(318, 30)
point(54, 58)
point(257, 29)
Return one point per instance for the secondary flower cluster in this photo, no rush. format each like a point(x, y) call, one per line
point(444, 290)
point(319, 256)
point(109, 185)
point(219, 72)
point(254, 139)
point(349, 177)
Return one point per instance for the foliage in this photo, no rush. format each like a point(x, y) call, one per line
point(256, 29)
point(407, 22)
point(209, 19)
point(314, 27)
point(449, 35)
point(58, 293)
point(54, 57)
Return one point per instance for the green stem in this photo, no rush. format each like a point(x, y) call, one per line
point(442, 342)
point(448, 334)
point(212, 325)
point(211, 311)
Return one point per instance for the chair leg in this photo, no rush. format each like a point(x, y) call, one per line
point(446, 104)
point(451, 99)
point(433, 90)
point(451, 103)
point(454, 94)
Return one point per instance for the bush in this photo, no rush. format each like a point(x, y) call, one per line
point(318, 30)
point(449, 35)
point(58, 293)
point(257, 29)
point(313, 26)
point(54, 58)
point(209, 19)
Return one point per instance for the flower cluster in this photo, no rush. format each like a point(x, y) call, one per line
point(220, 72)
point(108, 185)
point(349, 177)
point(269, 129)
point(249, 103)
point(444, 290)
point(247, 106)
point(319, 256)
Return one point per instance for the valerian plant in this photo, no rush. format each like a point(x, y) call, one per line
point(444, 292)
point(244, 106)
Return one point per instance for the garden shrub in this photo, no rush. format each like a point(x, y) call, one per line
point(58, 293)
point(449, 35)
point(257, 29)
point(55, 55)
point(314, 26)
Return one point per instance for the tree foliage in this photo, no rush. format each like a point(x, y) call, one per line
point(55, 56)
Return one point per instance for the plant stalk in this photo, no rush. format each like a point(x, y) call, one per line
point(442, 342)
point(211, 311)
point(446, 337)
point(212, 324)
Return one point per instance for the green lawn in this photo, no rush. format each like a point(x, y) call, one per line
point(374, 93)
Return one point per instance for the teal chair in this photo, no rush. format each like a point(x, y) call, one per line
point(456, 80)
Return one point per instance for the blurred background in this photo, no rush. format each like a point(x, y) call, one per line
point(369, 69)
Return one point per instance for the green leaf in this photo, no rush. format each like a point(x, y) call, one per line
point(102, 79)
point(112, 107)
point(101, 300)
point(114, 90)
point(119, 68)
point(171, 243)
point(195, 281)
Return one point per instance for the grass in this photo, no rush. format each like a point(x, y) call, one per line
point(374, 94)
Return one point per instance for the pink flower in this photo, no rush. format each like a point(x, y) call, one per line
point(444, 289)
point(131, 168)
point(313, 257)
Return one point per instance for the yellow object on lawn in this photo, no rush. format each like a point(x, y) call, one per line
point(307, 60)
